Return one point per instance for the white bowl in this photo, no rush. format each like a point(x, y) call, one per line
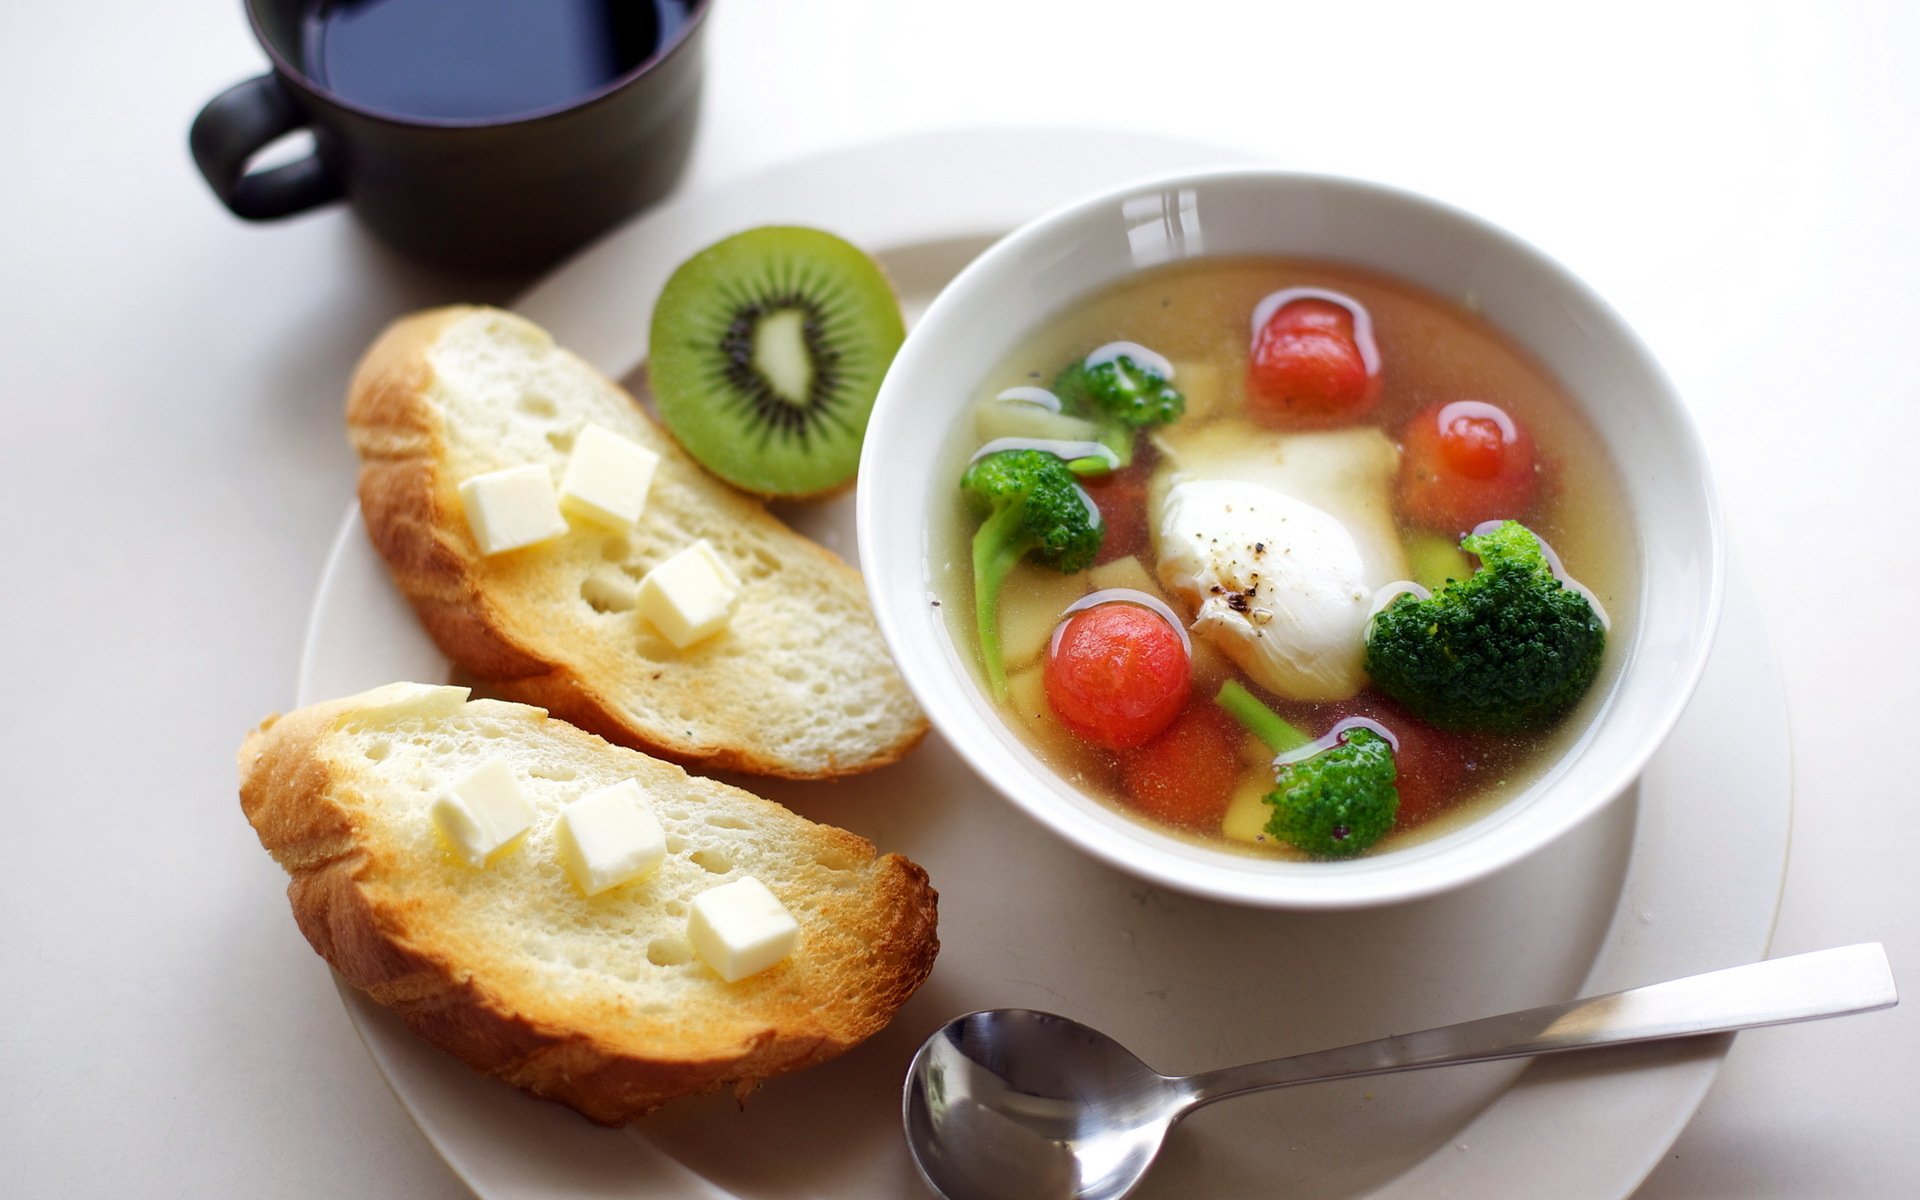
point(1061, 258)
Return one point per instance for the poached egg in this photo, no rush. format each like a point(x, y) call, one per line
point(1276, 542)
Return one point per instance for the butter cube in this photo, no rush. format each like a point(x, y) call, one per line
point(511, 508)
point(741, 928)
point(483, 812)
point(396, 700)
point(609, 837)
point(607, 478)
point(689, 596)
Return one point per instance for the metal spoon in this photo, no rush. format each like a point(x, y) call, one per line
point(1013, 1104)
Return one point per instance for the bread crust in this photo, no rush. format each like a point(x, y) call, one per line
point(409, 517)
point(353, 900)
point(409, 501)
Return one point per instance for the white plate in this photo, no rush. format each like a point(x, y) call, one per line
point(1681, 875)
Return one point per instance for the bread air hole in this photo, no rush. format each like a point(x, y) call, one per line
point(721, 821)
point(536, 405)
point(604, 596)
point(557, 774)
point(669, 952)
point(379, 750)
point(760, 564)
point(716, 861)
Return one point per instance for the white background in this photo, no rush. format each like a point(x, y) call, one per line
point(1742, 181)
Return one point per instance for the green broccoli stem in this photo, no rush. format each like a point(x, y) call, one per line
point(997, 545)
point(1259, 720)
point(1118, 438)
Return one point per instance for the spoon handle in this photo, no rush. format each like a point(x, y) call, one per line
point(1803, 987)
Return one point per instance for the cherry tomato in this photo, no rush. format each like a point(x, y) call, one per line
point(1117, 674)
point(1463, 463)
point(1186, 775)
point(1307, 371)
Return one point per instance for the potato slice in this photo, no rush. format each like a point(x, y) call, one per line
point(1128, 572)
point(1247, 813)
point(1031, 601)
point(993, 419)
point(1208, 389)
point(1027, 699)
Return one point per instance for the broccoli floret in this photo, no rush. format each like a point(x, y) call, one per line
point(1032, 505)
point(1333, 804)
point(1121, 397)
point(1340, 801)
point(1510, 648)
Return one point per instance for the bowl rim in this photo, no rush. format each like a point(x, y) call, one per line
point(1164, 859)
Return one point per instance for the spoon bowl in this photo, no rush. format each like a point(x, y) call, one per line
point(1013, 1104)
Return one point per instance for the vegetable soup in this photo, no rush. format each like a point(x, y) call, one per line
point(1285, 556)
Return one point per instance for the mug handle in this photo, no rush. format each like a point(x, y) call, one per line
point(239, 123)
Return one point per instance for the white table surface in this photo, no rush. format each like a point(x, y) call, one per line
point(1741, 180)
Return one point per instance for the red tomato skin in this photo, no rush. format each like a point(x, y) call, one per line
point(1454, 478)
point(1473, 448)
point(1314, 314)
point(1185, 776)
point(1117, 674)
point(1306, 370)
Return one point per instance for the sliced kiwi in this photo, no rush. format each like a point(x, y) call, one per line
point(767, 351)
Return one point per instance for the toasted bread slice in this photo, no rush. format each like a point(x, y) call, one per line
point(798, 684)
point(596, 1002)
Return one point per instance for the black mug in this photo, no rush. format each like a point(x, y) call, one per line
point(503, 192)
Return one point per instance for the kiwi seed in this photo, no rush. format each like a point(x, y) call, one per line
point(767, 351)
